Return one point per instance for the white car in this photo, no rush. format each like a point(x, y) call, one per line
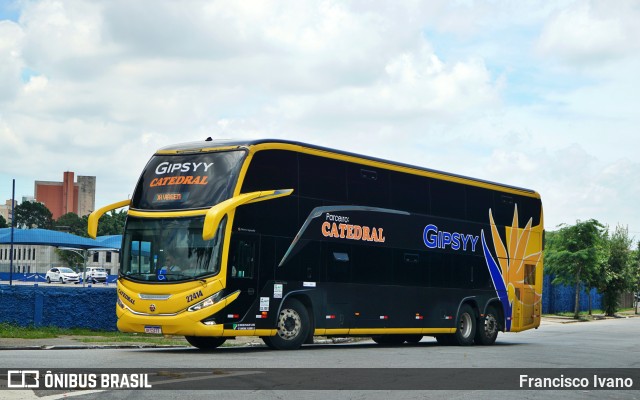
point(95, 274)
point(62, 275)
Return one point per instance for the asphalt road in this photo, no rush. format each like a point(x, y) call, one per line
point(602, 344)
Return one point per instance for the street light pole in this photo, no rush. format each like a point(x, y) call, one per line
point(13, 219)
point(84, 253)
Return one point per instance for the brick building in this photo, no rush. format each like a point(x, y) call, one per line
point(67, 196)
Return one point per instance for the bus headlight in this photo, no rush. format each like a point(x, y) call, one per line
point(209, 301)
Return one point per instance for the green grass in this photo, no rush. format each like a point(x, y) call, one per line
point(30, 332)
point(585, 314)
point(131, 338)
point(88, 335)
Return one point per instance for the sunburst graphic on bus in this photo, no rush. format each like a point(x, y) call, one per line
point(514, 274)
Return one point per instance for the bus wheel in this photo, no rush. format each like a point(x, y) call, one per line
point(445, 340)
point(292, 327)
point(389, 340)
point(487, 330)
point(465, 327)
point(205, 342)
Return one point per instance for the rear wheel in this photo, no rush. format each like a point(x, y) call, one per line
point(48, 280)
point(205, 342)
point(292, 327)
point(487, 330)
point(465, 327)
point(445, 340)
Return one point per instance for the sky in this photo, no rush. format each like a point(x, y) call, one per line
point(536, 94)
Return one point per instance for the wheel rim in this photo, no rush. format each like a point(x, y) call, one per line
point(490, 325)
point(465, 325)
point(289, 324)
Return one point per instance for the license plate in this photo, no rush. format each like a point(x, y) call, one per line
point(153, 329)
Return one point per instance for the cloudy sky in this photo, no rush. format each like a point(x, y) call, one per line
point(537, 94)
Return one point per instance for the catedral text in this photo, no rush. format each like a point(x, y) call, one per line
point(179, 180)
point(353, 232)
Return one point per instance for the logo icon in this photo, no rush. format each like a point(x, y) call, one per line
point(152, 307)
point(23, 379)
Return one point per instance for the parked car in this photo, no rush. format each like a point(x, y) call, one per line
point(62, 275)
point(95, 274)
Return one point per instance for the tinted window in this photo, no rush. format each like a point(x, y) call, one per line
point(448, 199)
point(372, 264)
point(409, 192)
point(322, 178)
point(505, 205)
point(187, 181)
point(272, 169)
point(368, 186)
point(479, 201)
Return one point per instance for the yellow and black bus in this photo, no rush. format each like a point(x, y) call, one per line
point(287, 240)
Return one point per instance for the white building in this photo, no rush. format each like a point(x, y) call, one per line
point(39, 259)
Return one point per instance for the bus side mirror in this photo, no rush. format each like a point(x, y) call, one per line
point(92, 225)
point(216, 213)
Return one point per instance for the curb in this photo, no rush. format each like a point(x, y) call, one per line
point(152, 346)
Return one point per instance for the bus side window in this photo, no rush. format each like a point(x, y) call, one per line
point(337, 262)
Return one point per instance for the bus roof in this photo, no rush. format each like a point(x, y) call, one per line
point(217, 144)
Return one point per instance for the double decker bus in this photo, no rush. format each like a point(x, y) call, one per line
point(286, 240)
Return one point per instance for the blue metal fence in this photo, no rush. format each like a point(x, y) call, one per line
point(74, 306)
point(64, 307)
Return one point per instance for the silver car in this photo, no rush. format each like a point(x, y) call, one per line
point(62, 275)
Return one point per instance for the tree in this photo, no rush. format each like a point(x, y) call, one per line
point(71, 258)
point(72, 223)
point(574, 255)
point(112, 223)
point(31, 214)
point(3, 222)
point(616, 275)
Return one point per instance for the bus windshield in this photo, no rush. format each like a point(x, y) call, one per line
point(184, 181)
point(169, 250)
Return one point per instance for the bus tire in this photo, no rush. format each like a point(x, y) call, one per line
point(205, 342)
point(444, 340)
point(292, 327)
point(487, 329)
point(465, 326)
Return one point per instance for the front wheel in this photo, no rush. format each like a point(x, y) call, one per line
point(205, 342)
point(487, 330)
point(466, 326)
point(48, 280)
point(292, 327)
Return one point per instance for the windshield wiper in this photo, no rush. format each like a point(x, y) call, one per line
point(189, 277)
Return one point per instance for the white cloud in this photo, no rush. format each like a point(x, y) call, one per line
point(10, 60)
point(432, 83)
point(592, 32)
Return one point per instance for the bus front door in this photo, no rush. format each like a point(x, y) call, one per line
point(242, 274)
